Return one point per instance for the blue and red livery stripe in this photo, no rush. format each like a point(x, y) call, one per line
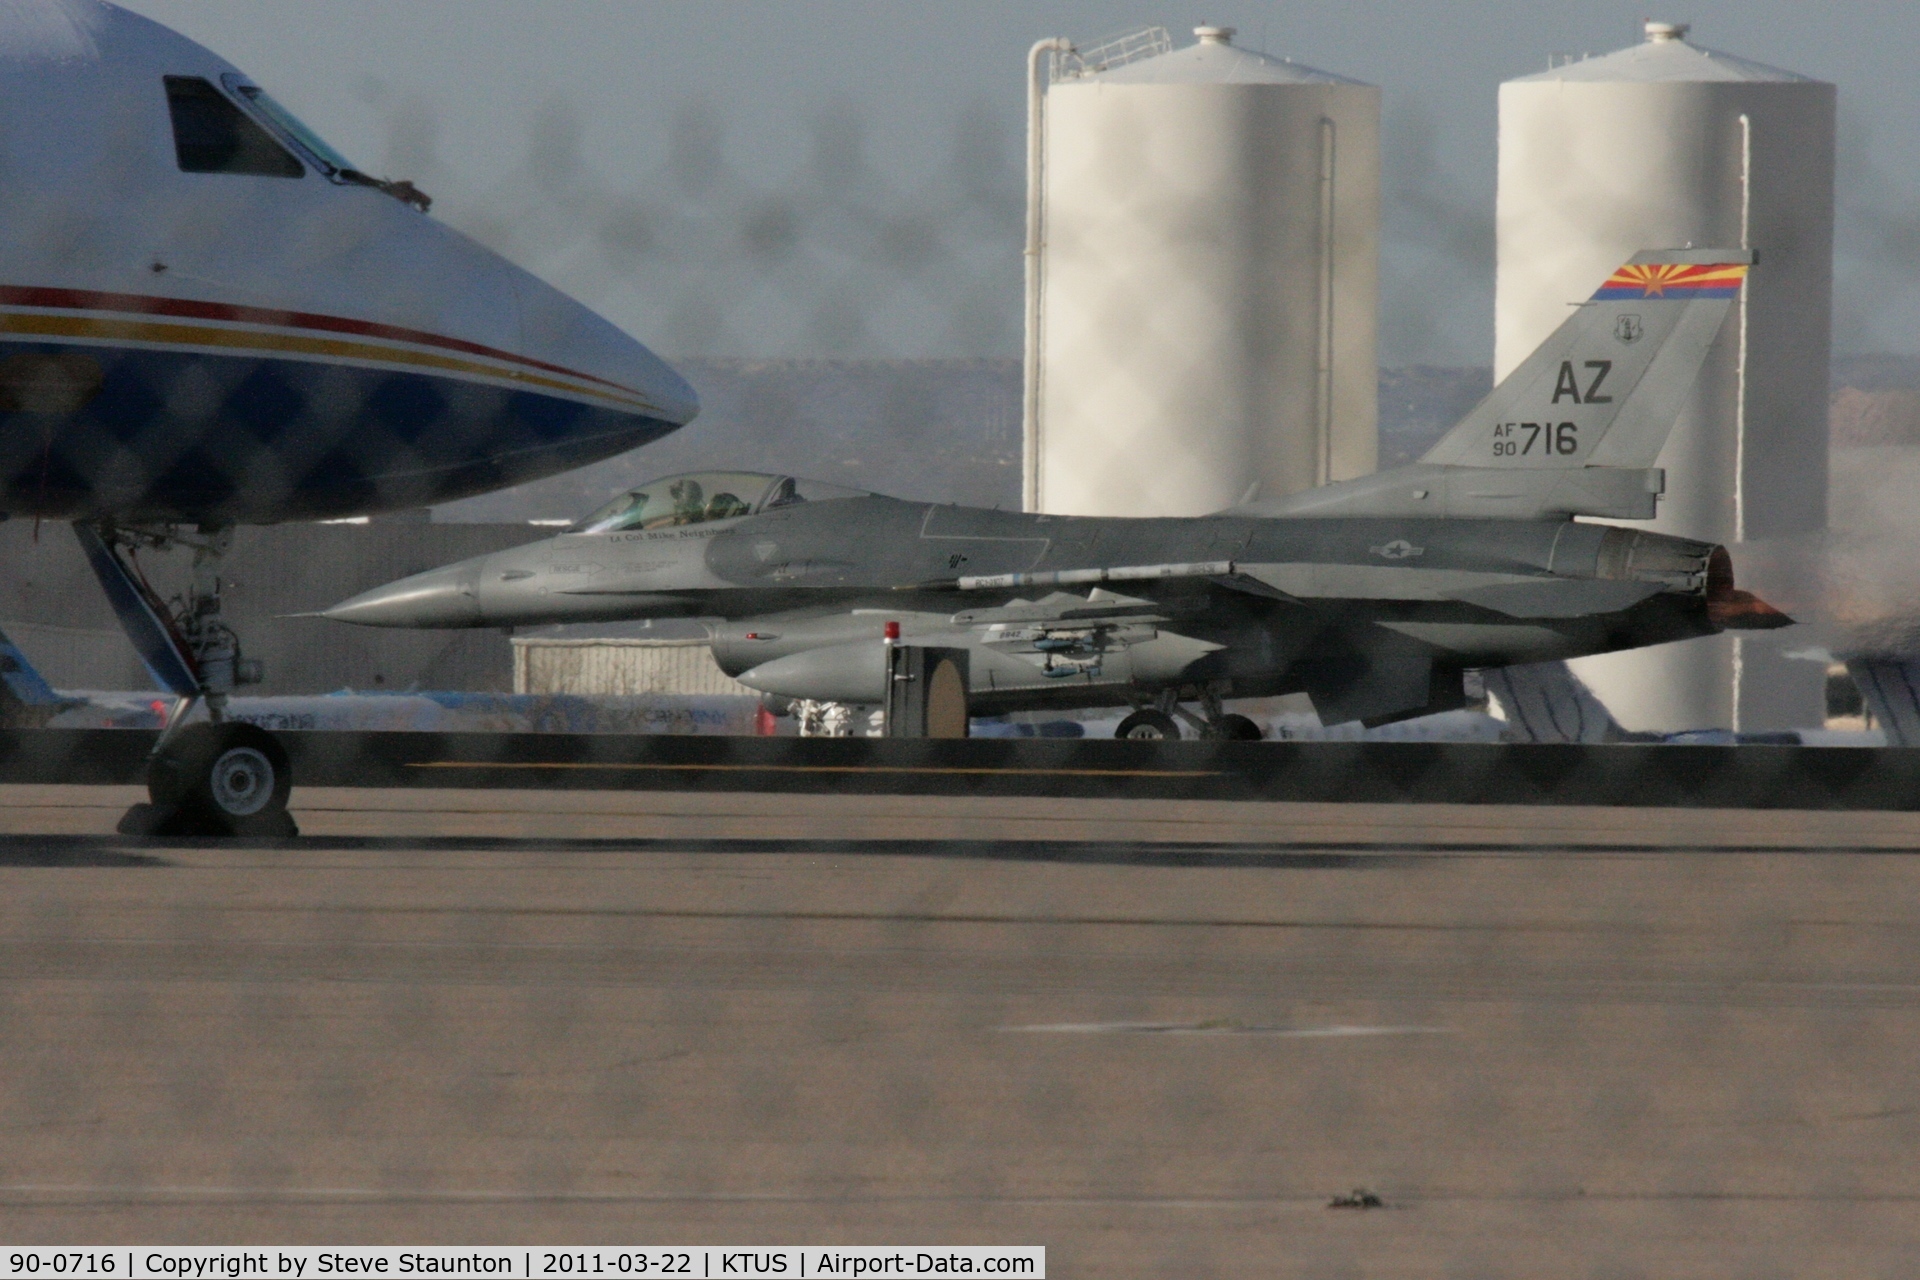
point(186, 308)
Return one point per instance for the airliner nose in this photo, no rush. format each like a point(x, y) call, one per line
point(446, 597)
point(677, 399)
point(559, 328)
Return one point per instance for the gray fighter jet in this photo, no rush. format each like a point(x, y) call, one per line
point(1373, 596)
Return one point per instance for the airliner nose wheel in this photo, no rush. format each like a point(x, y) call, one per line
point(221, 779)
point(1149, 726)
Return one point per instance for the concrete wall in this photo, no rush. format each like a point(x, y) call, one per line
point(620, 667)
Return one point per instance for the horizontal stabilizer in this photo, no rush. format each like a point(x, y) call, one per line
point(1546, 702)
point(1891, 689)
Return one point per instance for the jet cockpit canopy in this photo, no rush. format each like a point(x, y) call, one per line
point(700, 496)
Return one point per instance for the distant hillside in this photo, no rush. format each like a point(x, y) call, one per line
point(940, 430)
point(1419, 403)
point(1876, 373)
point(949, 430)
point(1875, 401)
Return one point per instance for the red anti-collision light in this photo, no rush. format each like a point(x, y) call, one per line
point(893, 632)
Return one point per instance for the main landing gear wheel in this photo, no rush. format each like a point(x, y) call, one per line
point(1235, 728)
point(225, 779)
point(1149, 726)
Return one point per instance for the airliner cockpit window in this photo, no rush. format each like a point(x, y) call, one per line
point(212, 135)
point(291, 125)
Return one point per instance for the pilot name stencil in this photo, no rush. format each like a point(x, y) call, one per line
point(664, 535)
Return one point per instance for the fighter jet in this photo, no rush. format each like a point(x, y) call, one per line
point(1373, 596)
point(209, 316)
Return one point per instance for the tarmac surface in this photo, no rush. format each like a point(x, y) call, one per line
point(1155, 1036)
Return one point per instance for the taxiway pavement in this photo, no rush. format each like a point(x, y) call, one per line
point(1154, 1036)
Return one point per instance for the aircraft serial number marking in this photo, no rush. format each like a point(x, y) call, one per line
point(1517, 439)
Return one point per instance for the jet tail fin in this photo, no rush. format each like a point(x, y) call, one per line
point(1606, 388)
point(1577, 427)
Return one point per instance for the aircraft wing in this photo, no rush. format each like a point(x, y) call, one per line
point(1063, 606)
point(1515, 595)
point(1377, 677)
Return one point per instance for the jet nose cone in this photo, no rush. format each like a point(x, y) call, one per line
point(438, 598)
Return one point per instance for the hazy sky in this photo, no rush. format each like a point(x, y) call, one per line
point(844, 178)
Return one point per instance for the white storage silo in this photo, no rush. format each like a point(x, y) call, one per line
point(1668, 144)
point(1202, 302)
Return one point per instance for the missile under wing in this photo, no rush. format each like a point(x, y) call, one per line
point(1373, 595)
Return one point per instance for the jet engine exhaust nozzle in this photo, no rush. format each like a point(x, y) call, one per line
point(1731, 609)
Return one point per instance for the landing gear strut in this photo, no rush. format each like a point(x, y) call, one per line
point(1223, 725)
point(212, 777)
point(1157, 720)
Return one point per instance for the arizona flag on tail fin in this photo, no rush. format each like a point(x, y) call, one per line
point(1673, 280)
point(1605, 388)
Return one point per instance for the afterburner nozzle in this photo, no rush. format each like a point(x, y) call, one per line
point(1732, 609)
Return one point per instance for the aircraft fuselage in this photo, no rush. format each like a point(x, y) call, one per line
point(1052, 615)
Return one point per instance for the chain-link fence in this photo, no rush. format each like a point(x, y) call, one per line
point(832, 257)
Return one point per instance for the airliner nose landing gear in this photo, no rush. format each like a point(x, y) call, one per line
point(212, 777)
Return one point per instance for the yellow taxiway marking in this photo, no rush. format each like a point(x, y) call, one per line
point(820, 768)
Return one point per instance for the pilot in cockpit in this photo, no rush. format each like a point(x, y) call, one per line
point(688, 501)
